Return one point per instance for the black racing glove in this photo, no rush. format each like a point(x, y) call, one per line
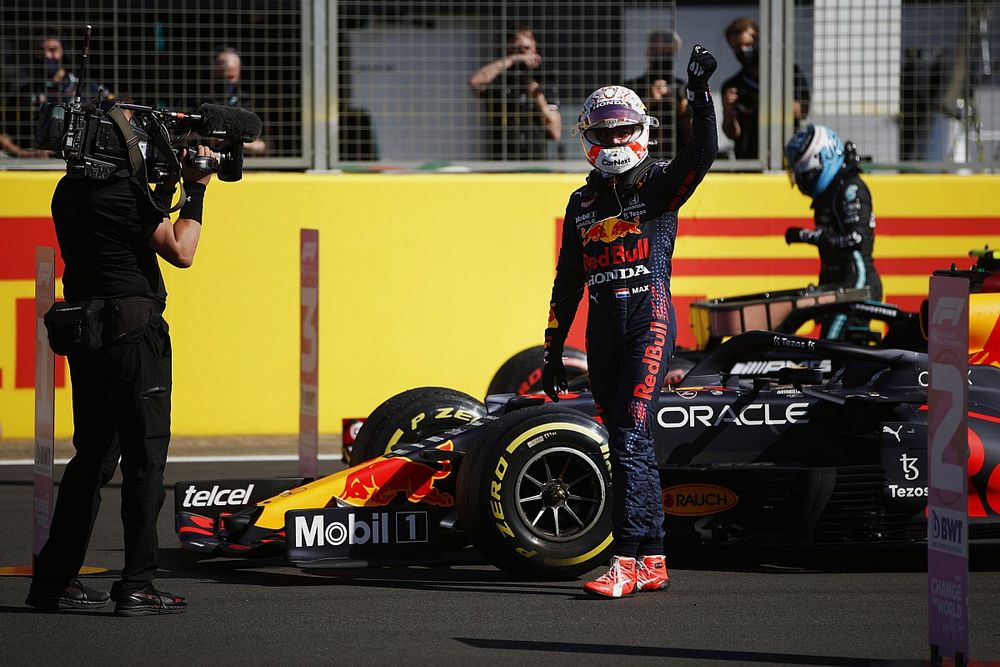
point(553, 373)
point(700, 68)
point(801, 235)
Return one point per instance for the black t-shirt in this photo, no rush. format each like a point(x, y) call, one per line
point(747, 108)
point(225, 93)
point(103, 229)
point(517, 130)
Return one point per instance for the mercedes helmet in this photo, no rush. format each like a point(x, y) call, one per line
point(608, 107)
point(813, 157)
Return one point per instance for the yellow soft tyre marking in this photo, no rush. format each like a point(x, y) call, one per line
point(562, 562)
point(532, 432)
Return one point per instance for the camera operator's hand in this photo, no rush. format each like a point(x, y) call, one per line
point(191, 173)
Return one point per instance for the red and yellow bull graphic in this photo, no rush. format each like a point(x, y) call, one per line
point(393, 478)
point(383, 480)
point(608, 230)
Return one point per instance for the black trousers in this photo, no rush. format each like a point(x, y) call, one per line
point(121, 408)
point(630, 340)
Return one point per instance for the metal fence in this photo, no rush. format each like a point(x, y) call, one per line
point(497, 85)
point(912, 82)
point(174, 54)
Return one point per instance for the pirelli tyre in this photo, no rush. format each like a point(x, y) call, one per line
point(534, 493)
point(412, 415)
point(522, 373)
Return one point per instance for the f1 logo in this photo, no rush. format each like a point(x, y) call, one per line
point(948, 310)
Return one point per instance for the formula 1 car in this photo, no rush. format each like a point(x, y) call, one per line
point(792, 457)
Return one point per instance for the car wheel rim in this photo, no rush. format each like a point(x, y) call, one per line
point(560, 494)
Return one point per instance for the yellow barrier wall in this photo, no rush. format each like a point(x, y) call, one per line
point(424, 279)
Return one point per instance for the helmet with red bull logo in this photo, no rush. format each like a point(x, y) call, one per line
point(614, 107)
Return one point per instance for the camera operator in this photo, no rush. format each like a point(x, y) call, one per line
point(110, 235)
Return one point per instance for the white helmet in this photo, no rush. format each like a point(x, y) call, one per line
point(614, 106)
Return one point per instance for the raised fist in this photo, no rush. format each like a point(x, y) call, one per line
point(700, 68)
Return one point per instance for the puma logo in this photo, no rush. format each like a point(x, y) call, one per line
point(886, 429)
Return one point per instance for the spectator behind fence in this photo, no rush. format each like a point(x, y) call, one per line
point(228, 89)
point(9, 147)
point(523, 109)
point(741, 92)
point(664, 94)
point(49, 81)
point(931, 105)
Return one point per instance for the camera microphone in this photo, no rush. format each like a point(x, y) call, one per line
point(214, 120)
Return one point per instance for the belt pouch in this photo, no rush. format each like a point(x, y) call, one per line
point(75, 326)
point(128, 315)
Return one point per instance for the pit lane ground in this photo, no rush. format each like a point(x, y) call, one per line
point(829, 608)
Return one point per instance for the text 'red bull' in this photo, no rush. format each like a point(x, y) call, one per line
point(652, 358)
point(614, 255)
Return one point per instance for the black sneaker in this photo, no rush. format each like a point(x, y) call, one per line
point(75, 596)
point(149, 601)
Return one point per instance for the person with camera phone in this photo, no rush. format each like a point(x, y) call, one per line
point(521, 107)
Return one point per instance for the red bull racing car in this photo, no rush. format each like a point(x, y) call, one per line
point(797, 456)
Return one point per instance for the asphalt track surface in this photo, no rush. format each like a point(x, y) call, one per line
point(772, 608)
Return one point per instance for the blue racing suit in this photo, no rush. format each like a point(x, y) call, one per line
point(618, 239)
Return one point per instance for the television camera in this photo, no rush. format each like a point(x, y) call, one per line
point(99, 139)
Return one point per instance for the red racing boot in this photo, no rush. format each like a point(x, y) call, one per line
point(619, 580)
point(651, 574)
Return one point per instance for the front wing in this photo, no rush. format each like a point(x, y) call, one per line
point(392, 507)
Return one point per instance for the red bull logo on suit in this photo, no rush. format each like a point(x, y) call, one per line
point(609, 229)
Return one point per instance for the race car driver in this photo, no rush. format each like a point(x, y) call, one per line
point(828, 171)
point(618, 239)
